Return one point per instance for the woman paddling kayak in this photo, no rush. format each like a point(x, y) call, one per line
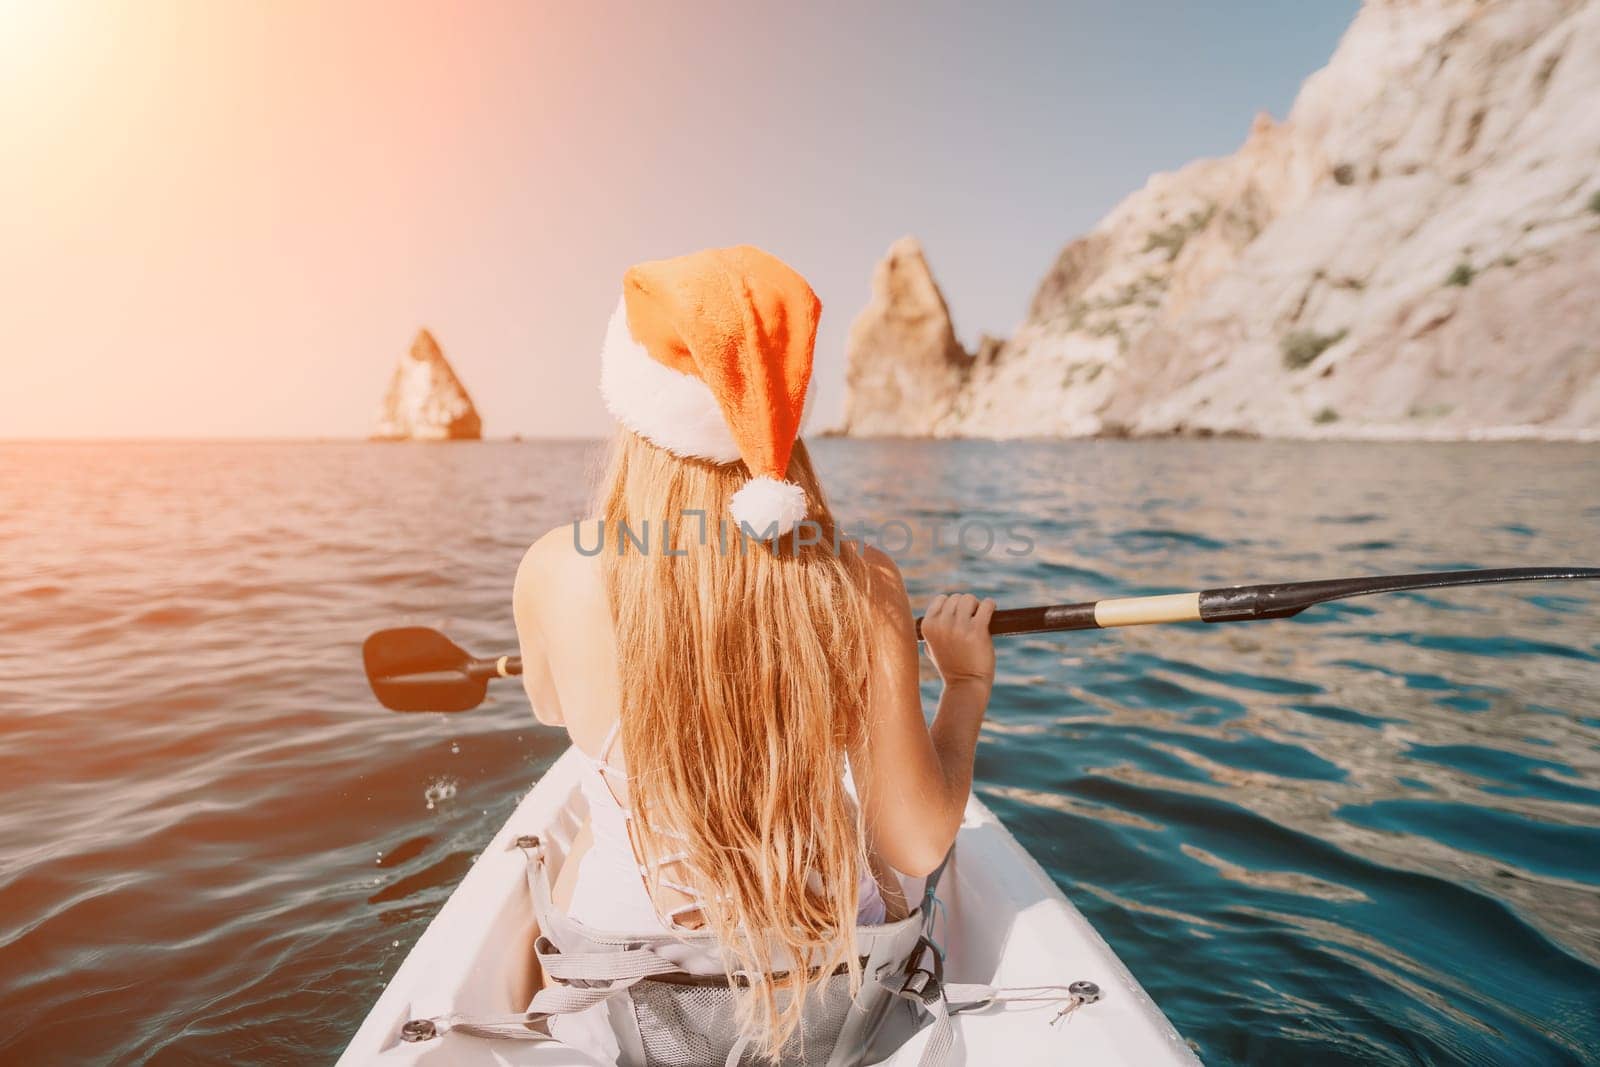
point(720, 657)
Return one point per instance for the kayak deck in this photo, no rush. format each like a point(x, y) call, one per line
point(1004, 923)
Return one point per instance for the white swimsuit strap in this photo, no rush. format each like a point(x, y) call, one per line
point(603, 761)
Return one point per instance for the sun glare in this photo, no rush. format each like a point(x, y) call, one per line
point(32, 32)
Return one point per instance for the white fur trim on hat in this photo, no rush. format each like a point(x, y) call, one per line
point(671, 409)
point(761, 502)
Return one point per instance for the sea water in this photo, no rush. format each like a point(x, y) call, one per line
point(1369, 833)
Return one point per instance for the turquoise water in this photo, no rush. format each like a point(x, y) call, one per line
point(1371, 833)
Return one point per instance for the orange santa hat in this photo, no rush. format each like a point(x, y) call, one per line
point(709, 356)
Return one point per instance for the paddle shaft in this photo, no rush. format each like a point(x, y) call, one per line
point(1240, 603)
point(1252, 603)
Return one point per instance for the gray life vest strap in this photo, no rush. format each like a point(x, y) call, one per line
point(925, 987)
point(582, 969)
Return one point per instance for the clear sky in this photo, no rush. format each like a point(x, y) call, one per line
point(228, 218)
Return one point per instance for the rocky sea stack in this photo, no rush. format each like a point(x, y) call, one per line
point(1414, 253)
point(905, 362)
point(426, 401)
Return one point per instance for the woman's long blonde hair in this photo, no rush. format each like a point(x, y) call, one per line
point(743, 668)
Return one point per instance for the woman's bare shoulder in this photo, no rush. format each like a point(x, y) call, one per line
point(884, 572)
point(886, 588)
point(554, 563)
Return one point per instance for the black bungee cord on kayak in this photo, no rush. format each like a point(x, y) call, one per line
point(413, 668)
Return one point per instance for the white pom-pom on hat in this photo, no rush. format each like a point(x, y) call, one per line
point(764, 503)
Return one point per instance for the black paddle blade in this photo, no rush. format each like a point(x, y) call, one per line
point(413, 668)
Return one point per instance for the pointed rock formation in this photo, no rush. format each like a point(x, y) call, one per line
point(905, 364)
point(1413, 253)
point(426, 401)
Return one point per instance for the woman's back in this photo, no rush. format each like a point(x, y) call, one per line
point(719, 652)
point(561, 596)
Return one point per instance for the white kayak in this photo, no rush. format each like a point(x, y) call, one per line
point(1005, 924)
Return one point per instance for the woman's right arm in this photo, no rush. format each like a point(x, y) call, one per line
point(914, 780)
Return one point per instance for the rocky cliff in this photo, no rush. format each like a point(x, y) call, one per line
point(906, 365)
point(1413, 253)
point(426, 401)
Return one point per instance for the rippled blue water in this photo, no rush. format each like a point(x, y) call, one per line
point(1371, 833)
